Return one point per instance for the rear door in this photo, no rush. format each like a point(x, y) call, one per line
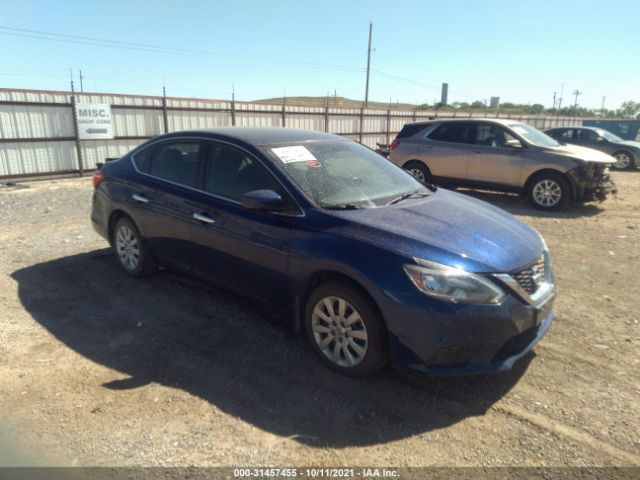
point(494, 160)
point(169, 176)
point(240, 249)
point(446, 149)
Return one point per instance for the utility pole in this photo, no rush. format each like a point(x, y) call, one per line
point(560, 100)
point(81, 78)
point(554, 101)
point(602, 106)
point(576, 93)
point(366, 91)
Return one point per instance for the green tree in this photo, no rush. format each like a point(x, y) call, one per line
point(629, 109)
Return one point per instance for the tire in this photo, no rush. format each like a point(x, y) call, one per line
point(131, 251)
point(419, 170)
point(624, 160)
point(357, 349)
point(548, 191)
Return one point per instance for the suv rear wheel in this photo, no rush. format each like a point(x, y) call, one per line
point(419, 170)
point(548, 191)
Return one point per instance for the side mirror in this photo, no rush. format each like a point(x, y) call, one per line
point(513, 143)
point(262, 200)
point(601, 140)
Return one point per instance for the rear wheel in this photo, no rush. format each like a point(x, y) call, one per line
point(419, 170)
point(624, 160)
point(548, 191)
point(345, 329)
point(132, 254)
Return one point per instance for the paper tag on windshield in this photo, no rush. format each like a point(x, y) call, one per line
point(293, 154)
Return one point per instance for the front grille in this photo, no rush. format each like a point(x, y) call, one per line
point(453, 355)
point(516, 344)
point(526, 277)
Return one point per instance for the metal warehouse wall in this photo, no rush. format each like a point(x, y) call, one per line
point(37, 134)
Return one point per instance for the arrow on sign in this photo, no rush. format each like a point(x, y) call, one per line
point(96, 130)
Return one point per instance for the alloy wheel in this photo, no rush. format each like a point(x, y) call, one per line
point(547, 193)
point(418, 174)
point(127, 247)
point(339, 331)
point(623, 160)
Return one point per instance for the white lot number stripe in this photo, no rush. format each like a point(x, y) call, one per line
point(297, 153)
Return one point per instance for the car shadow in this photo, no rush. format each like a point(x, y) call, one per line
point(519, 205)
point(185, 335)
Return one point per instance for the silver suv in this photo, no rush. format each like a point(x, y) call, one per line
point(503, 155)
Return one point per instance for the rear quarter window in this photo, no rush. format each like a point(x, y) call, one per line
point(142, 159)
point(411, 130)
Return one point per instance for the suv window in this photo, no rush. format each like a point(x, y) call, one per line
point(411, 130)
point(452, 132)
point(492, 136)
point(568, 133)
point(231, 173)
point(176, 162)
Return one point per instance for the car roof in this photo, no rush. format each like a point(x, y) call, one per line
point(501, 121)
point(261, 136)
point(567, 127)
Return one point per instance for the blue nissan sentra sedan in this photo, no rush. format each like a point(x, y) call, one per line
point(370, 264)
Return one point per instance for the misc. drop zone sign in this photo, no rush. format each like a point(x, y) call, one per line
point(94, 121)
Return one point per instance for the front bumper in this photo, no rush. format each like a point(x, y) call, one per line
point(592, 188)
point(468, 339)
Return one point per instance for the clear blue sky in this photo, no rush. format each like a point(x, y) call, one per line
point(518, 50)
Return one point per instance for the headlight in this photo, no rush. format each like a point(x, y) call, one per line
point(453, 284)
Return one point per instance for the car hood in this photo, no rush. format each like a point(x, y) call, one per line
point(582, 153)
point(630, 143)
point(448, 228)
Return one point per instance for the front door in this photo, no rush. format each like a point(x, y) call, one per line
point(239, 249)
point(495, 158)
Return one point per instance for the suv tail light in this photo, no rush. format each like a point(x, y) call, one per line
point(394, 144)
point(98, 177)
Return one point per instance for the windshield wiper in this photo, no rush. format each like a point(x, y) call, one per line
point(406, 196)
point(344, 206)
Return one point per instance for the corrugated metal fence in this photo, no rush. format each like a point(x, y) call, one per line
point(37, 134)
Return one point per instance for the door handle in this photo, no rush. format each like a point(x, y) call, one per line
point(203, 218)
point(140, 198)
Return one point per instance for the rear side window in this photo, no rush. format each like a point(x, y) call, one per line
point(588, 135)
point(452, 132)
point(176, 162)
point(411, 130)
point(567, 133)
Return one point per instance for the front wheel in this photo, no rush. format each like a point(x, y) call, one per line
point(346, 330)
point(624, 160)
point(548, 191)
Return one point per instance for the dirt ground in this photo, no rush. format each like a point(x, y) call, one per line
point(97, 368)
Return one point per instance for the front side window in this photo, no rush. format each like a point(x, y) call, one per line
point(587, 135)
point(231, 173)
point(344, 174)
point(493, 136)
point(452, 132)
point(176, 162)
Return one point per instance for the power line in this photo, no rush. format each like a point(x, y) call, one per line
point(100, 42)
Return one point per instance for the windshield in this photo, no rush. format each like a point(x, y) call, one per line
point(344, 174)
point(610, 136)
point(534, 136)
